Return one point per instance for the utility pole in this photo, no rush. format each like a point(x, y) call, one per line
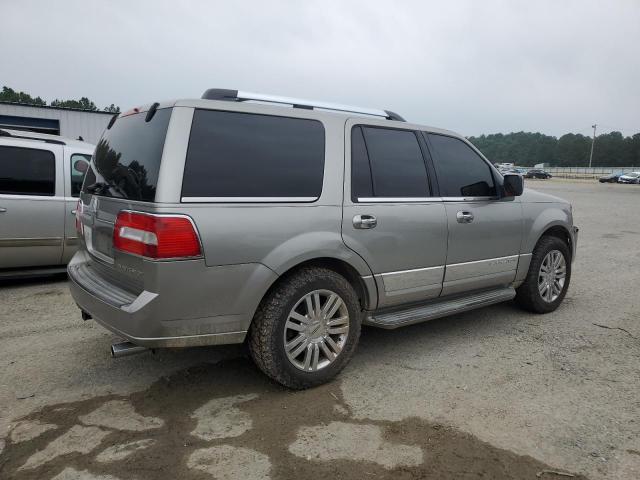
point(592, 142)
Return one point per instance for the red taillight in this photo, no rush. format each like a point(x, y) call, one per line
point(156, 236)
point(78, 218)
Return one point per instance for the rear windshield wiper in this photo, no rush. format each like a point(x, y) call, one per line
point(97, 188)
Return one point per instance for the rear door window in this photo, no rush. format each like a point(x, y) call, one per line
point(250, 157)
point(127, 157)
point(461, 171)
point(27, 171)
point(387, 163)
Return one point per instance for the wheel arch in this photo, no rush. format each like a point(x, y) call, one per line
point(559, 231)
point(364, 286)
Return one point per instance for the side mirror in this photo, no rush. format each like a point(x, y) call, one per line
point(513, 185)
point(81, 166)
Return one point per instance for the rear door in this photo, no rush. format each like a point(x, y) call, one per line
point(31, 204)
point(392, 219)
point(485, 231)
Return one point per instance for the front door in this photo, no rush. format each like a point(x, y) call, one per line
point(31, 205)
point(485, 232)
point(390, 217)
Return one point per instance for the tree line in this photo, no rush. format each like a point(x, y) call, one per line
point(522, 148)
point(570, 150)
point(10, 95)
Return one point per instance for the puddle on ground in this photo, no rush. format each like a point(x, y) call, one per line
point(227, 421)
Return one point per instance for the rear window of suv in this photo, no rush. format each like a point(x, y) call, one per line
point(127, 157)
point(251, 157)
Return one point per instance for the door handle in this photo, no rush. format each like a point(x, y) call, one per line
point(364, 221)
point(73, 212)
point(2, 209)
point(464, 217)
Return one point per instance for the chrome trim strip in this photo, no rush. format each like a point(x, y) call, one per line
point(47, 198)
point(71, 241)
point(411, 279)
point(31, 242)
point(248, 199)
point(261, 97)
point(399, 199)
point(478, 268)
point(400, 272)
point(468, 199)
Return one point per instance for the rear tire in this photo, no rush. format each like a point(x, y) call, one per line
point(548, 278)
point(306, 329)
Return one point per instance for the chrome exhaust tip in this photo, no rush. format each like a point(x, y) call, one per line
point(124, 349)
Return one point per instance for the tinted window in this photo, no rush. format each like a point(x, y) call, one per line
point(461, 171)
point(127, 157)
point(245, 155)
point(397, 166)
point(361, 184)
point(79, 166)
point(27, 171)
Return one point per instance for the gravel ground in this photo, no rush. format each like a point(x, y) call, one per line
point(495, 393)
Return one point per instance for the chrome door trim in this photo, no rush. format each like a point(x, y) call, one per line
point(31, 242)
point(398, 199)
point(414, 278)
point(248, 199)
point(469, 199)
point(477, 268)
point(44, 198)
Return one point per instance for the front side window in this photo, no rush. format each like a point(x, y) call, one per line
point(387, 163)
point(233, 155)
point(79, 166)
point(461, 171)
point(27, 171)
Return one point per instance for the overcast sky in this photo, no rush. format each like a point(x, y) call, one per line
point(471, 66)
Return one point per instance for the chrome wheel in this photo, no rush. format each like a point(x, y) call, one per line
point(552, 275)
point(316, 330)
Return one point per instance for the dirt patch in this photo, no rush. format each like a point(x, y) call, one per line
point(279, 419)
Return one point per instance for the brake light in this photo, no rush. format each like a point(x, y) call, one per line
point(156, 236)
point(79, 227)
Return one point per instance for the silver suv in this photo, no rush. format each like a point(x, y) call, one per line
point(40, 180)
point(234, 218)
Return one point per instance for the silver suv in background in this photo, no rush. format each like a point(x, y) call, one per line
point(289, 223)
point(40, 180)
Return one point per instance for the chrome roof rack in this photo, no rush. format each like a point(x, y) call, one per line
point(240, 96)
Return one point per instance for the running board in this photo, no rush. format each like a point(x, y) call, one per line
point(441, 308)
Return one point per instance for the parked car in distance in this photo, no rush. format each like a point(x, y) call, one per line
point(631, 177)
point(611, 178)
point(222, 220)
point(537, 173)
point(40, 180)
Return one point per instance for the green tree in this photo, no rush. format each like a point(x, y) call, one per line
point(112, 109)
point(10, 95)
point(84, 104)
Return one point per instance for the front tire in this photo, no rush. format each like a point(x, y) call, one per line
point(548, 278)
point(306, 329)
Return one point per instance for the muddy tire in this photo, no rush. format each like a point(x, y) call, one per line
point(306, 329)
point(548, 278)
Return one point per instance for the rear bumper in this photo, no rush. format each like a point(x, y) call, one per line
point(181, 313)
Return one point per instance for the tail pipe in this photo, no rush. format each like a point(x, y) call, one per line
point(124, 349)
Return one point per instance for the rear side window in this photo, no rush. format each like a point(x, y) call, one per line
point(27, 171)
point(461, 171)
point(387, 163)
point(253, 156)
point(127, 157)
